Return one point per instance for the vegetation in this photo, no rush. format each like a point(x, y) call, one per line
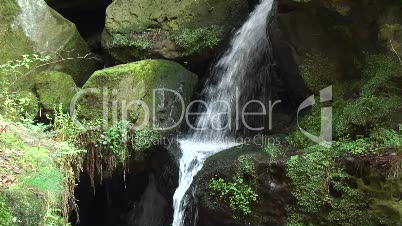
point(239, 193)
point(378, 100)
point(143, 41)
point(195, 40)
point(327, 188)
point(43, 160)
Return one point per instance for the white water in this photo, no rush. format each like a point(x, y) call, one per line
point(250, 41)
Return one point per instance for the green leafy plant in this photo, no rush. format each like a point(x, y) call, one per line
point(246, 167)
point(63, 126)
point(144, 139)
point(115, 139)
point(238, 194)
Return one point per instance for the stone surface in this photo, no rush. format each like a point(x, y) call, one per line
point(137, 81)
point(271, 185)
point(170, 29)
point(57, 37)
point(51, 88)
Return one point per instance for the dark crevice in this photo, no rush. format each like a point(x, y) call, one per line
point(88, 18)
point(140, 196)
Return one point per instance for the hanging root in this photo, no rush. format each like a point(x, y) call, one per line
point(396, 53)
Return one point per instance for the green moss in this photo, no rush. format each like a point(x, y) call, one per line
point(9, 140)
point(46, 180)
point(198, 39)
point(5, 215)
point(246, 167)
point(389, 212)
point(379, 75)
point(75, 48)
point(136, 81)
point(322, 191)
point(318, 72)
point(26, 207)
point(327, 194)
point(54, 88)
point(67, 43)
point(32, 108)
point(190, 23)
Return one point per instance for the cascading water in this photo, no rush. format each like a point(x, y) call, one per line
point(249, 43)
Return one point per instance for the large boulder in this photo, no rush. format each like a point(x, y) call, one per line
point(326, 41)
point(57, 38)
point(54, 88)
point(265, 175)
point(166, 28)
point(134, 85)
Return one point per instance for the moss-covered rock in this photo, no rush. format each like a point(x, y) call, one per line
point(54, 88)
point(264, 176)
point(57, 37)
point(50, 88)
point(166, 28)
point(384, 195)
point(126, 83)
point(26, 207)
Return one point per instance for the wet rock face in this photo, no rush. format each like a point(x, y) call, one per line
point(271, 185)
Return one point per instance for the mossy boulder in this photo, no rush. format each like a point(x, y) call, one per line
point(57, 37)
point(25, 207)
point(384, 196)
point(50, 88)
point(265, 176)
point(129, 84)
point(54, 88)
point(166, 28)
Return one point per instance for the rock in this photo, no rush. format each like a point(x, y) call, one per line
point(57, 37)
point(50, 87)
point(271, 185)
point(323, 37)
point(125, 84)
point(390, 33)
point(169, 29)
point(26, 207)
point(54, 88)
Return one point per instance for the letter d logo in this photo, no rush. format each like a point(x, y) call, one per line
point(325, 138)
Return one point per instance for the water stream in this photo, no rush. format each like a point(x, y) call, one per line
point(248, 43)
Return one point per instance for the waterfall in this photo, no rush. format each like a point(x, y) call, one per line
point(249, 42)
